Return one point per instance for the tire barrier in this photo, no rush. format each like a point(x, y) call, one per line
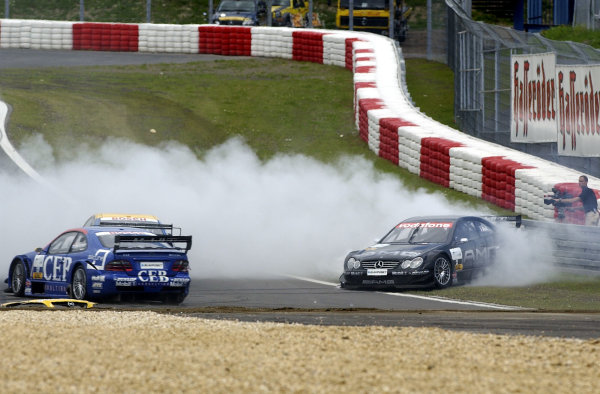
point(308, 46)
point(118, 37)
point(236, 41)
point(385, 117)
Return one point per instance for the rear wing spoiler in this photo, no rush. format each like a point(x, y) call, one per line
point(121, 241)
point(168, 228)
point(516, 219)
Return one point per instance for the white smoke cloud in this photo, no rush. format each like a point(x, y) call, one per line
point(290, 214)
point(521, 261)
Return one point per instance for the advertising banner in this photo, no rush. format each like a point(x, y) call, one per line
point(578, 107)
point(533, 98)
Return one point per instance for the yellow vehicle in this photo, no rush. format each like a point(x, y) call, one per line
point(374, 16)
point(292, 13)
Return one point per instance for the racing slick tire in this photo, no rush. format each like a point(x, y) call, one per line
point(18, 277)
point(442, 272)
point(78, 288)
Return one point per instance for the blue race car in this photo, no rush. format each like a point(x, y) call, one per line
point(98, 262)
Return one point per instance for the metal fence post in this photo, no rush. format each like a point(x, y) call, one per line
point(81, 10)
point(391, 19)
point(496, 87)
point(460, 80)
point(429, 29)
point(351, 15)
point(7, 9)
point(148, 10)
point(481, 82)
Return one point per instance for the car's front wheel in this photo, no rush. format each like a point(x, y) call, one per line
point(17, 281)
point(442, 272)
point(79, 284)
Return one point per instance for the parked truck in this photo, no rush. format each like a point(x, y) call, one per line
point(374, 16)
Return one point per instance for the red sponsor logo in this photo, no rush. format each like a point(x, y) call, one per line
point(425, 225)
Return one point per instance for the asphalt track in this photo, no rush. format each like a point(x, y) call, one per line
point(307, 301)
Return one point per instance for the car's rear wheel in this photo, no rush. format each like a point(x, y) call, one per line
point(18, 277)
point(442, 272)
point(79, 284)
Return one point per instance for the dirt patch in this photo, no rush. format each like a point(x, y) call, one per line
point(107, 351)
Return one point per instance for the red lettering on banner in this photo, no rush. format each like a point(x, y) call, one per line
point(579, 111)
point(533, 100)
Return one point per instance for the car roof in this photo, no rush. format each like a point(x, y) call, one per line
point(447, 218)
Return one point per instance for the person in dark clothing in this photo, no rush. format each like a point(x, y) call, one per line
point(589, 201)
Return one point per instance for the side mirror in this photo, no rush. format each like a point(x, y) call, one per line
point(38, 250)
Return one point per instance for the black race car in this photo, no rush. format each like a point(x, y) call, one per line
point(426, 251)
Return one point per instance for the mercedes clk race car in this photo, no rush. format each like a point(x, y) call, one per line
point(98, 262)
point(428, 251)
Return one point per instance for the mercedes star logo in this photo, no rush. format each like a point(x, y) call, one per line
point(379, 264)
point(363, 21)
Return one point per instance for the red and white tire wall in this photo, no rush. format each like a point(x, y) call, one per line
point(385, 117)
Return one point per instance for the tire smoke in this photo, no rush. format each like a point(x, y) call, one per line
point(248, 218)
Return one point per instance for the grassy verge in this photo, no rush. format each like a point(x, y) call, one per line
point(575, 34)
point(200, 105)
point(569, 293)
point(431, 86)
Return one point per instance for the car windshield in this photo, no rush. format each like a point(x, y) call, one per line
point(366, 4)
point(280, 2)
point(236, 6)
point(107, 239)
point(419, 232)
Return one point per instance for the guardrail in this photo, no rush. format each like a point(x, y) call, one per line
point(575, 248)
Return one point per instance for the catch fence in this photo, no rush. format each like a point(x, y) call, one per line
point(479, 54)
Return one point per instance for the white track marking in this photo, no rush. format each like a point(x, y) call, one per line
point(12, 152)
point(427, 298)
